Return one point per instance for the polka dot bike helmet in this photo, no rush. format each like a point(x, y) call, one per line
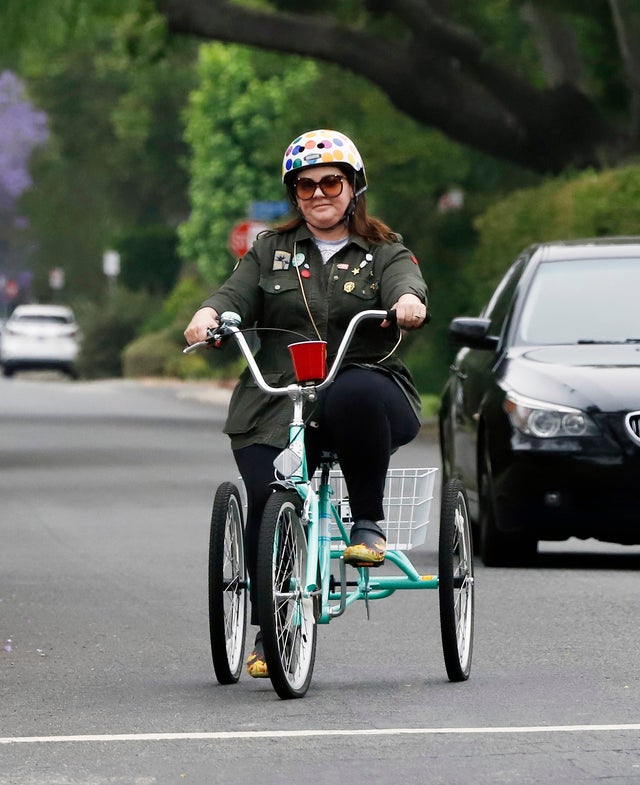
point(323, 147)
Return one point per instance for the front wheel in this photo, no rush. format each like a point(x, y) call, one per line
point(456, 581)
point(287, 618)
point(227, 585)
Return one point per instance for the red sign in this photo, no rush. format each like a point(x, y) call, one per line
point(11, 289)
point(242, 236)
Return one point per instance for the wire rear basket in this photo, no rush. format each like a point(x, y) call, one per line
point(407, 505)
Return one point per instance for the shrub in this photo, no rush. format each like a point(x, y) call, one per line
point(149, 259)
point(591, 204)
point(108, 328)
point(148, 355)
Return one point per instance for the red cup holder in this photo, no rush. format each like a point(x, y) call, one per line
point(309, 360)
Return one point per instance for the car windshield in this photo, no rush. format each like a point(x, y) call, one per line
point(587, 301)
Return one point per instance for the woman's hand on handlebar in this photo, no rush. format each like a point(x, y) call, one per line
point(410, 312)
point(203, 320)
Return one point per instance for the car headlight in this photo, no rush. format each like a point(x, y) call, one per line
point(547, 420)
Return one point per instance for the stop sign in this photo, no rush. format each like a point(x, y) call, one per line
point(242, 236)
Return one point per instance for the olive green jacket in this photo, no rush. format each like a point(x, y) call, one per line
point(265, 290)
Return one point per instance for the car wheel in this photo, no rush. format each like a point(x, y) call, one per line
point(498, 549)
point(7, 371)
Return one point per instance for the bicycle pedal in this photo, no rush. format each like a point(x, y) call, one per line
point(366, 564)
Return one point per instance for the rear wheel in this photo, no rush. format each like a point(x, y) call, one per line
point(456, 582)
point(287, 618)
point(227, 585)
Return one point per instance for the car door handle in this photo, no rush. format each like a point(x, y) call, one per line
point(458, 372)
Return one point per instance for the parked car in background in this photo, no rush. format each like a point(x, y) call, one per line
point(40, 336)
point(540, 416)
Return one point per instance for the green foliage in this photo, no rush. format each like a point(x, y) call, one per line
point(149, 259)
point(501, 28)
point(157, 349)
point(430, 406)
point(590, 204)
point(31, 31)
point(114, 162)
point(160, 355)
point(178, 308)
point(236, 128)
point(148, 355)
point(107, 329)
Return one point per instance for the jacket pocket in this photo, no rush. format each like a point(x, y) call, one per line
point(249, 404)
point(279, 282)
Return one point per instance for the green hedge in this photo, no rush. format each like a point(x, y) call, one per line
point(591, 204)
point(108, 327)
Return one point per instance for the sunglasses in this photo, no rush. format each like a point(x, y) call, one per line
point(330, 185)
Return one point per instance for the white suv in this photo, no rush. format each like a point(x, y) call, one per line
point(40, 336)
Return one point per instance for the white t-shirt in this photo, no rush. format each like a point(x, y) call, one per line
point(328, 248)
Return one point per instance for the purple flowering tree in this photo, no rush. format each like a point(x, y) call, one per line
point(22, 129)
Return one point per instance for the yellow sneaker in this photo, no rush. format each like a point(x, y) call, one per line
point(367, 546)
point(256, 663)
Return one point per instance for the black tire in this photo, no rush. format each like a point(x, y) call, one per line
point(456, 582)
point(227, 585)
point(497, 548)
point(287, 619)
point(7, 371)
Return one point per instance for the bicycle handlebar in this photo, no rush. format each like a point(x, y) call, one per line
point(229, 325)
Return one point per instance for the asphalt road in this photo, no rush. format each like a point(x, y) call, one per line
point(105, 672)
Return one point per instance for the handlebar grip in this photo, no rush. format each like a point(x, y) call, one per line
point(391, 316)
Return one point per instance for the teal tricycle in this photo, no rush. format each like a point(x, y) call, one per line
point(302, 579)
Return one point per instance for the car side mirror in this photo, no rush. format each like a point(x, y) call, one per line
point(472, 332)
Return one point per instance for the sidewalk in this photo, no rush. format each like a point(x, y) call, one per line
point(207, 391)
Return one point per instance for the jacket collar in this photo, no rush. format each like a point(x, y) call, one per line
point(304, 233)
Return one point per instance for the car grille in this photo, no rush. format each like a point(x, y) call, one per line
point(632, 421)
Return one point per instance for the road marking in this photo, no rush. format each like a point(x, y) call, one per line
point(310, 733)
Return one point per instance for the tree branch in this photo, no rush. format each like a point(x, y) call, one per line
point(438, 74)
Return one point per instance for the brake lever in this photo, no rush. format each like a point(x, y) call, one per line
point(194, 347)
point(213, 339)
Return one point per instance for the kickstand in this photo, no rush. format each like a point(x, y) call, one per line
point(365, 591)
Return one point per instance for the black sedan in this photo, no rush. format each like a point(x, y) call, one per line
point(540, 416)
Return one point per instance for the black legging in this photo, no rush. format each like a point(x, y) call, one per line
point(363, 417)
